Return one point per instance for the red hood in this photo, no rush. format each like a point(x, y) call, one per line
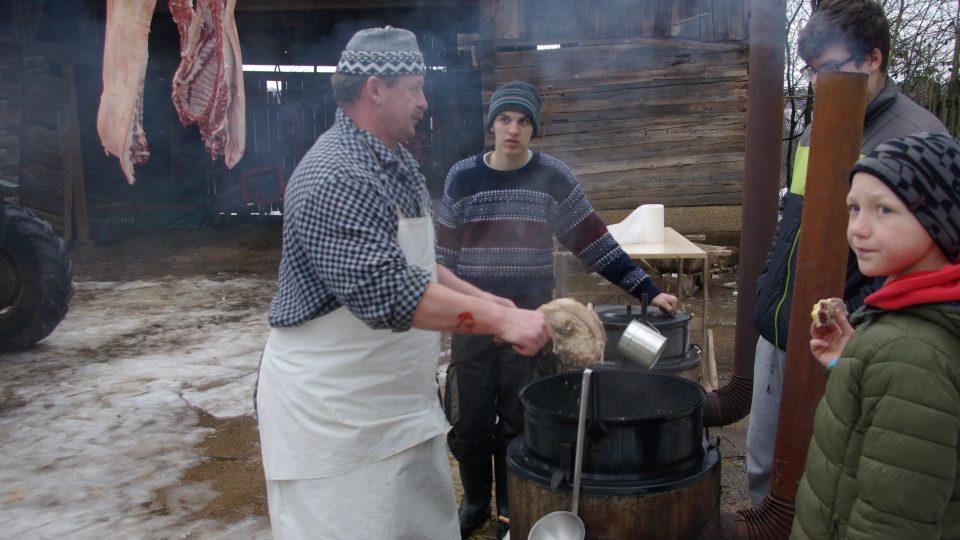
point(941, 285)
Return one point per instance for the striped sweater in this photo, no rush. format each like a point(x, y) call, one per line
point(496, 229)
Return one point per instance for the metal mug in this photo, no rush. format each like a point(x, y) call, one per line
point(642, 343)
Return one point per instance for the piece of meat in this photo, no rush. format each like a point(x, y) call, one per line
point(208, 84)
point(120, 117)
point(824, 310)
point(578, 335)
point(182, 12)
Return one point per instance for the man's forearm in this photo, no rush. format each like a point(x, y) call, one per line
point(445, 308)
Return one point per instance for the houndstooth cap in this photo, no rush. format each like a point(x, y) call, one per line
point(382, 51)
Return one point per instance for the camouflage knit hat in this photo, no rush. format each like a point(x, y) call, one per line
point(516, 96)
point(382, 51)
point(923, 170)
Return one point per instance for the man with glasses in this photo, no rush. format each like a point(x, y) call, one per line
point(851, 36)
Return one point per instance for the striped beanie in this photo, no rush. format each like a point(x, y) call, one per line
point(382, 51)
point(923, 170)
point(516, 96)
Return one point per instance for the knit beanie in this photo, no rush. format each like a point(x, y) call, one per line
point(516, 96)
point(382, 51)
point(923, 169)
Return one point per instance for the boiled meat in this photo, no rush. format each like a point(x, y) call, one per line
point(120, 117)
point(208, 84)
point(578, 335)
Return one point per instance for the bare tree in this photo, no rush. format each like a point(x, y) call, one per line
point(923, 37)
point(798, 94)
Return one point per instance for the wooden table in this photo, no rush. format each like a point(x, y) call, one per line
point(676, 246)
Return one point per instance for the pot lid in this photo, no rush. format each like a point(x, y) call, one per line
point(620, 315)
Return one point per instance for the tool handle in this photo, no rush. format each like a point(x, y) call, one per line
point(581, 435)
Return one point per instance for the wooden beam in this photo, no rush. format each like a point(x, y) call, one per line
point(322, 5)
point(75, 188)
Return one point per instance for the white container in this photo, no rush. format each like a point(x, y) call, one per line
point(652, 219)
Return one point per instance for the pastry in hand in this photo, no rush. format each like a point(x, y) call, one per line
point(824, 310)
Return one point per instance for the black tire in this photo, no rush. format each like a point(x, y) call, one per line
point(36, 280)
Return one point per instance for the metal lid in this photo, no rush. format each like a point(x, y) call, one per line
point(620, 315)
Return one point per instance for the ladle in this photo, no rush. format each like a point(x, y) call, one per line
point(563, 525)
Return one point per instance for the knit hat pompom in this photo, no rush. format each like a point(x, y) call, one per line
point(923, 170)
point(516, 96)
point(382, 51)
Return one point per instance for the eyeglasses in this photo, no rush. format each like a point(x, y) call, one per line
point(809, 72)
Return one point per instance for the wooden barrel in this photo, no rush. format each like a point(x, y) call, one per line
point(685, 507)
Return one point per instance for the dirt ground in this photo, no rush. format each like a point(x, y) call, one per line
point(229, 453)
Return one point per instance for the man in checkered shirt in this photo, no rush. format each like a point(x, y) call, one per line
point(351, 429)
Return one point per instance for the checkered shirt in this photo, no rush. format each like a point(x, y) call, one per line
point(340, 232)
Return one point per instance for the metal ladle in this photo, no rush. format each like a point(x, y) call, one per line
point(563, 525)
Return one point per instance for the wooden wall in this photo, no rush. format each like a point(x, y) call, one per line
point(570, 20)
point(10, 69)
point(645, 101)
point(51, 167)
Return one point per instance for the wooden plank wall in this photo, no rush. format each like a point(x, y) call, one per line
point(645, 101)
point(566, 20)
point(50, 163)
point(10, 68)
point(281, 128)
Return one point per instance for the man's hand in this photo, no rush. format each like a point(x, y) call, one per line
point(827, 342)
point(667, 303)
point(527, 330)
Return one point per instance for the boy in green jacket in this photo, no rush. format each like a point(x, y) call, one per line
point(883, 460)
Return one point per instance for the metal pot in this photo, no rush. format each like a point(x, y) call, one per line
point(641, 424)
point(616, 319)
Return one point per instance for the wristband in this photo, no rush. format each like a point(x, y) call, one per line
point(832, 363)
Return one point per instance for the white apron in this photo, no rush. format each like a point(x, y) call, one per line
point(336, 397)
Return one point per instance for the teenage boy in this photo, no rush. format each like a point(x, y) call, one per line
point(842, 35)
point(882, 462)
point(500, 213)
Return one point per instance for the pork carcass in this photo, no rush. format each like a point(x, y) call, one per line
point(208, 84)
point(120, 117)
point(578, 335)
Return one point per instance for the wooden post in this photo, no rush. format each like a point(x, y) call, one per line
point(821, 265)
point(75, 192)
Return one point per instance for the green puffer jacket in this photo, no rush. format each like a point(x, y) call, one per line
point(883, 462)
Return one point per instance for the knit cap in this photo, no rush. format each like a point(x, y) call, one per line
point(516, 96)
point(382, 51)
point(923, 169)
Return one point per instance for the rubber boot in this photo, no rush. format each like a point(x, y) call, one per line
point(476, 476)
point(500, 470)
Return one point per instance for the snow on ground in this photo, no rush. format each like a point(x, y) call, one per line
point(102, 414)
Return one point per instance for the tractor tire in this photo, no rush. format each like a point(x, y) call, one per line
point(36, 279)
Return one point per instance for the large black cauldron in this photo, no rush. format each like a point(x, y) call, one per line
point(640, 425)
